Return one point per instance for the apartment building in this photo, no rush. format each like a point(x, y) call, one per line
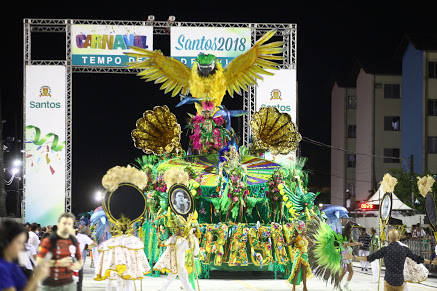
point(366, 130)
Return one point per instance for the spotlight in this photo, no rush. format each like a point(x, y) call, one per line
point(17, 163)
point(171, 19)
point(99, 196)
point(150, 19)
point(15, 171)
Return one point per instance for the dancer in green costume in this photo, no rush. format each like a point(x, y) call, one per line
point(300, 269)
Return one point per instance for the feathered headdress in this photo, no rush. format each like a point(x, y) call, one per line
point(174, 176)
point(117, 175)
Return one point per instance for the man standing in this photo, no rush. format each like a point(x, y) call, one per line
point(33, 237)
point(66, 256)
point(364, 248)
point(83, 238)
point(394, 258)
point(374, 247)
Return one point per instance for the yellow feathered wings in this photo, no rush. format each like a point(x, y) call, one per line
point(242, 72)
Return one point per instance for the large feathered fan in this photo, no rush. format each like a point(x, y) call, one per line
point(324, 257)
point(274, 131)
point(158, 132)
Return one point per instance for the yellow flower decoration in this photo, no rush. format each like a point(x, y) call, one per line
point(281, 186)
point(285, 198)
point(289, 204)
point(292, 212)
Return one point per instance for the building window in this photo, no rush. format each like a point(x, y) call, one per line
point(392, 123)
point(432, 144)
point(392, 155)
point(351, 161)
point(352, 189)
point(392, 91)
point(432, 107)
point(432, 69)
point(351, 102)
point(351, 131)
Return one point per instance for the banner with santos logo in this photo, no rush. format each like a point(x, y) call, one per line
point(279, 91)
point(44, 135)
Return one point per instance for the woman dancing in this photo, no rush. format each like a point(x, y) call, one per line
point(346, 256)
point(300, 269)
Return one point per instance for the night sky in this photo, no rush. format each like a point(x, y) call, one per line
point(331, 37)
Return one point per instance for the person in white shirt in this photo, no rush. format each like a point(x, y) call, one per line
point(83, 238)
point(27, 257)
point(33, 237)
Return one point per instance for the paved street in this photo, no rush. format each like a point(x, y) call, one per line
point(246, 281)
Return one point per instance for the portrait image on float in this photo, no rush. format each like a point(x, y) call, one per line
point(180, 200)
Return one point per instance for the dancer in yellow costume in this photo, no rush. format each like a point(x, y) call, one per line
point(172, 260)
point(300, 269)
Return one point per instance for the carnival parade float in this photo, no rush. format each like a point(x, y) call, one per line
point(246, 208)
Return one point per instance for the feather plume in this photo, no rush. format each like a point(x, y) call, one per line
point(388, 183)
point(425, 184)
point(117, 175)
point(174, 176)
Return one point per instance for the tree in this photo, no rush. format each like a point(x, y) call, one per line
point(406, 184)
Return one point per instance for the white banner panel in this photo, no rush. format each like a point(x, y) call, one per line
point(45, 133)
point(104, 45)
point(279, 91)
point(225, 43)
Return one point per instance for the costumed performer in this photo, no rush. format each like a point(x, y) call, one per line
point(346, 256)
point(101, 231)
point(300, 269)
point(192, 257)
point(122, 257)
point(173, 260)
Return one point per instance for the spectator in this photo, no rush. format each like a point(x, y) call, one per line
point(27, 257)
point(420, 232)
point(374, 247)
point(33, 237)
point(413, 231)
point(364, 248)
point(27, 226)
point(12, 239)
point(84, 240)
point(49, 229)
point(66, 258)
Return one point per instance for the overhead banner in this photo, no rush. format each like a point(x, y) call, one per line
point(225, 43)
point(104, 45)
point(45, 123)
point(279, 91)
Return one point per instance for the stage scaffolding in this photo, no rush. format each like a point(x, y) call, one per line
point(288, 31)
